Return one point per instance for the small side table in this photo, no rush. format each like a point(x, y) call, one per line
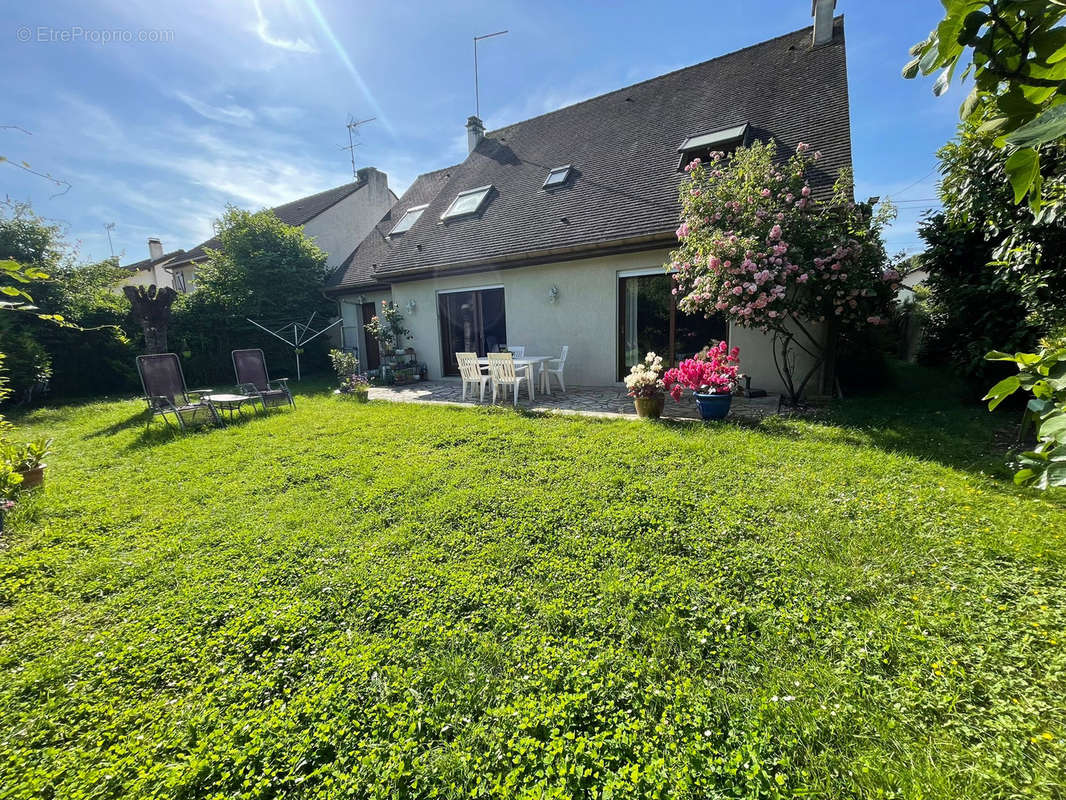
point(230, 403)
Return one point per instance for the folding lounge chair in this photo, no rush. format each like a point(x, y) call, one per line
point(253, 379)
point(164, 391)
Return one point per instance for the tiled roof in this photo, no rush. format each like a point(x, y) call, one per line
point(358, 268)
point(624, 150)
point(298, 212)
point(148, 263)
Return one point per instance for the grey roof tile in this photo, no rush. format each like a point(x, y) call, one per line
point(623, 148)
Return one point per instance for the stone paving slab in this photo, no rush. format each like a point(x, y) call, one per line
point(599, 401)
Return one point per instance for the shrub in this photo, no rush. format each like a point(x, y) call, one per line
point(757, 248)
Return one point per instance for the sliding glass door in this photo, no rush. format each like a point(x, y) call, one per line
point(651, 322)
point(470, 322)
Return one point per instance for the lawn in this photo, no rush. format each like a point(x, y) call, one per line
point(412, 601)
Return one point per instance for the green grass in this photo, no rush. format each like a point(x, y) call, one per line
point(412, 601)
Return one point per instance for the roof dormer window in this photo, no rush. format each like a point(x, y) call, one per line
point(557, 177)
point(409, 218)
point(468, 202)
point(702, 145)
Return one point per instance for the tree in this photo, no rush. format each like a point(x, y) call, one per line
point(997, 271)
point(1015, 52)
point(78, 345)
point(757, 248)
point(151, 308)
point(264, 270)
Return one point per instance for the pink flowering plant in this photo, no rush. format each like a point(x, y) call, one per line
point(715, 370)
point(645, 378)
point(757, 248)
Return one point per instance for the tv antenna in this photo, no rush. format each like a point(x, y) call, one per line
point(353, 130)
point(477, 90)
point(110, 226)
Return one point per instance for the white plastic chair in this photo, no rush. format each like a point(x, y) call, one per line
point(471, 373)
point(557, 371)
point(502, 370)
point(517, 350)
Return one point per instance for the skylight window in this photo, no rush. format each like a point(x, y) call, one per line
point(409, 218)
point(702, 145)
point(468, 202)
point(557, 177)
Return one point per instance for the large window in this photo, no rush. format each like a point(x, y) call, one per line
point(651, 322)
point(471, 321)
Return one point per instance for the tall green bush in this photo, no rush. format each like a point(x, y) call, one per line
point(89, 352)
point(263, 270)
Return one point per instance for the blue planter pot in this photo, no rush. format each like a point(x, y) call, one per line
point(713, 406)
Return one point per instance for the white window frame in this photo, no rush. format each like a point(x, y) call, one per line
point(421, 208)
point(471, 289)
point(565, 170)
point(449, 214)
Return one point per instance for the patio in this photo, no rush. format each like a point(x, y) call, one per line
point(598, 401)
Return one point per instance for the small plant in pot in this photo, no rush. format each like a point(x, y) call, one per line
point(711, 376)
point(357, 387)
point(27, 461)
point(352, 384)
point(646, 387)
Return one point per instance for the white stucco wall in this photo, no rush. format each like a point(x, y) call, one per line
point(585, 316)
point(339, 228)
point(353, 322)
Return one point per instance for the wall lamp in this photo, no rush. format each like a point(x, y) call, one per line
point(553, 294)
point(411, 306)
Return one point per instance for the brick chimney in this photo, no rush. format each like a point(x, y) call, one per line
point(475, 132)
point(822, 11)
point(155, 248)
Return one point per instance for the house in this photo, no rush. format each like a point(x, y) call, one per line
point(554, 231)
point(336, 219)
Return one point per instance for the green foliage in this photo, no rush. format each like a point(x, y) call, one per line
point(79, 345)
point(758, 249)
point(263, 270)
point(1015, 52)
point(997, 272)
point(1028, 250)
point(344, 363)
point(22, 456)
point(1042, 374)
point(396, 601)
point(387, 327)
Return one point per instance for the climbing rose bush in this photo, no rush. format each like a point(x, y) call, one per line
point(757, 248)
point(715, 370)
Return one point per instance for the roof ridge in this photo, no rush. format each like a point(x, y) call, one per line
point(664, 75)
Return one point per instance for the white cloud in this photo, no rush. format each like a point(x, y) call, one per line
point(262, 28)
point(231, 115)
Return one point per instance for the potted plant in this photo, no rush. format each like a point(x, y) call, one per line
point(646, 387)
point(711, 376)
point(27, 460)
point(357, 387)
point(352, 383)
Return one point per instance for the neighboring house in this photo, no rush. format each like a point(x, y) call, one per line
point(337, 219)
point(554, 231)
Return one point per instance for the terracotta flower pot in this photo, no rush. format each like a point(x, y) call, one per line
point(33, 478)
point(649, 407)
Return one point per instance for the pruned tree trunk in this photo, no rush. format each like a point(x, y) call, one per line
point(151, 308)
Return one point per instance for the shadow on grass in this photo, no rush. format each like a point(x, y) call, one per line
point(925, 415)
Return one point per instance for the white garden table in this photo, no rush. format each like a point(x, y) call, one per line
point(526, 363)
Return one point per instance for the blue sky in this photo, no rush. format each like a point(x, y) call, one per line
point(245, 101)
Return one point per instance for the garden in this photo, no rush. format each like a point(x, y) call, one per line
point(863, 596)
point(410, 601)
